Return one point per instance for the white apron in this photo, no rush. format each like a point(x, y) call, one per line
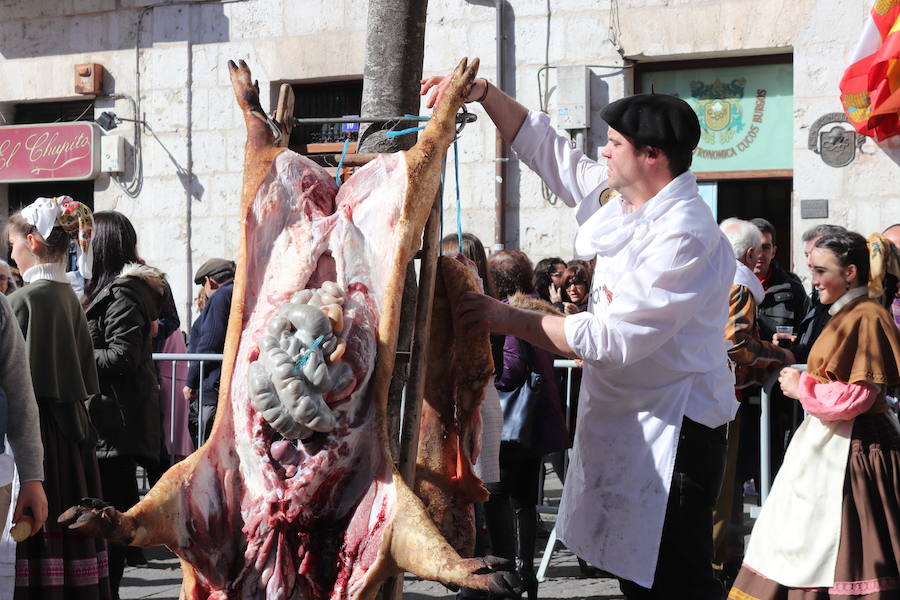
point(796, 537)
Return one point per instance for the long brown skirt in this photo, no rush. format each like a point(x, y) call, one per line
point(58, 564)
point(868, 561)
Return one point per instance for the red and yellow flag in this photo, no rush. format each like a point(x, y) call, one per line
point(870, 87)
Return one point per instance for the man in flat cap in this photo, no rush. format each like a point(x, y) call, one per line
point(656, 392)
point(208, 337)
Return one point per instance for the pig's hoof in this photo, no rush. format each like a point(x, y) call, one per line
point(497, 575)
point(95, 518)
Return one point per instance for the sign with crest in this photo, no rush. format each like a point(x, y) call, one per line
point(745, 113)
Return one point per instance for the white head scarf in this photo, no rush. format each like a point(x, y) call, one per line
point(74, 217)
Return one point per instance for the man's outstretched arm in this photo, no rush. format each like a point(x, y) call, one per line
point(540, 329)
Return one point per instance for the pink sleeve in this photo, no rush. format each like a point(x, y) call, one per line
point(835, 401)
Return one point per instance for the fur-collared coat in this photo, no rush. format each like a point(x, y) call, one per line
point(120, 319)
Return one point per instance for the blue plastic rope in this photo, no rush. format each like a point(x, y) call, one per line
point(459, 230)
point(301, 362)
point(443, 168)
point(337, 175)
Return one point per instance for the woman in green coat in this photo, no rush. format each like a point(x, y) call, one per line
point(58, 563)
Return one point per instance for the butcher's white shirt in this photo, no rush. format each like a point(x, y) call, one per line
point(652, 342)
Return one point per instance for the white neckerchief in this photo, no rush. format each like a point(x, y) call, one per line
point(608, 231)
point(745, 277)
point(49, 271)
point(849, 295)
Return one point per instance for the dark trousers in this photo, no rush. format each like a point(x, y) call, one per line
point(209, 417)
point(118, 475)
point(684, 567)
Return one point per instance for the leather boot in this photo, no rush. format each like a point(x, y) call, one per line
point(498, 514)
point(526, 529)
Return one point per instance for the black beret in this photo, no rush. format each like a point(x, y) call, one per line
point(215, 268)
point(657, 120)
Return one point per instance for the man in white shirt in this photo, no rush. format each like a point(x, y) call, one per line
point(656, 391)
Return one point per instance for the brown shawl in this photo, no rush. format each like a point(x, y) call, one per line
point(860, 343)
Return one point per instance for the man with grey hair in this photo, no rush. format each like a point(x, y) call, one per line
point(753, 358)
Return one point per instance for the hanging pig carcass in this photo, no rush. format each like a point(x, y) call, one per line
point(294, 495)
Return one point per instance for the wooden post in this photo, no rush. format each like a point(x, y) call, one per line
point(418, 367)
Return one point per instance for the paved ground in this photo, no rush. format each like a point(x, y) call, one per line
point(160, 579)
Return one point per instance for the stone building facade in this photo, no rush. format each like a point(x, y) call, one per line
point(168, 59)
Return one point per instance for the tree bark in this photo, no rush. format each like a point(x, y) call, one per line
point(395, 47)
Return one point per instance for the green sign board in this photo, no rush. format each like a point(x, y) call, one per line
point(745, 112)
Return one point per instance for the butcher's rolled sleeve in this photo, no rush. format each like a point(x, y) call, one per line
point(650, 304)
point(567, 172)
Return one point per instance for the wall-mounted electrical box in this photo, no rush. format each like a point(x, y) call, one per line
point(89, 79)
point(112, 154)
point(573, 97)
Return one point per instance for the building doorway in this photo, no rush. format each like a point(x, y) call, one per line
point(767, 198)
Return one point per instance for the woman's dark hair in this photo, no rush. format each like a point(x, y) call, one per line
point(576, 271)
point(115, 245)
point(473, 249)
point(511, 271)
point(850, 248)
point(541, 280)
point(53, 248)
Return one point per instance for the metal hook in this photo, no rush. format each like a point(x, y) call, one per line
point(276, 129)
point(463, 118)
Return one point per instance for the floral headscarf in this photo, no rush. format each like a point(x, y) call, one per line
point(74, 217)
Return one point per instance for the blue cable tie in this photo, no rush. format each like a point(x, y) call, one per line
point(392, 134)
point(337, 175)
point(301, 362)
point(417, 117)
point(459, 230)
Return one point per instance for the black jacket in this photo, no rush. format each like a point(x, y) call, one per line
point(785, 303)
point(119, 318)
point(208, 337)
point(812, 325)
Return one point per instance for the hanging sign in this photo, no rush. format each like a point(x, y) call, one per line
point(745, 113)
point(49, 151)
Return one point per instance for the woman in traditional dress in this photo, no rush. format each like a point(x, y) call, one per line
point(59, 562)
point(831, 526)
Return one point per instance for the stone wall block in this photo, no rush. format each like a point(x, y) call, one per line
point(330, 15)
point(260, 19)
point(199, 109)
point(224, 113)
point(209, 152)
point(89, 6)
point(169, 24)
point(166, 110)
point(210, 24)
point(164, 66)
point(222, 194)
point(206, 64)
point(164, 156)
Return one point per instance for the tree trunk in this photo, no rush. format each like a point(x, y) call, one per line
point(395, 46)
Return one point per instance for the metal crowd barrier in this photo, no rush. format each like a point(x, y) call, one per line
point(550, 547)
point(161, 357)
point(765, 438)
